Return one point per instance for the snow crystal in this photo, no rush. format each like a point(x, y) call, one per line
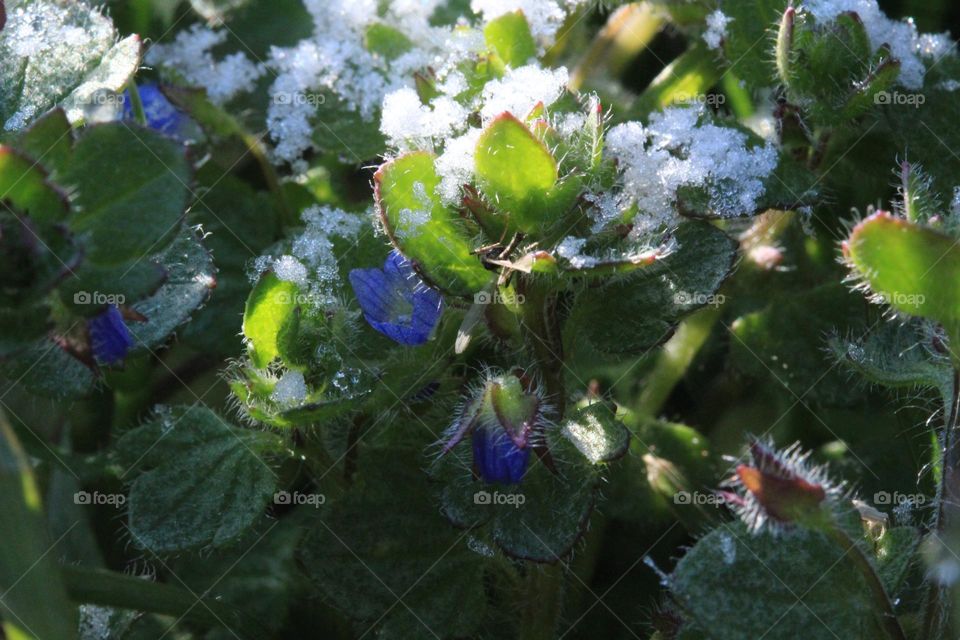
point(407, 123)
point(455, 165)
point(290, 269)
point(290, 390)
point(335, 60)
point(716, 28)
point(906, 44)
point(190, 55)
point(675, 151)
point(570, 248)
point(521, 89)
point(50, 49)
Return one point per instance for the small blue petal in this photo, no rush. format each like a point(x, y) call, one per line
point(396, 302)
point(497, 458)
point(160, 113)
point(109, 336)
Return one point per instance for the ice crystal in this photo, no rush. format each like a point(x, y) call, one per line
point(716, 28)
point(290, 389)
point(190, 55)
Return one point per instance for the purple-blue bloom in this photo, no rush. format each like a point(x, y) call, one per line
point(160, 113)
point(396, 302)
point(497, 457)
point(109, 337)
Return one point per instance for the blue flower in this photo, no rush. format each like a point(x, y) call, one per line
point(396, 302)
point(109, 336)
point(160, 113)
point(497, 457)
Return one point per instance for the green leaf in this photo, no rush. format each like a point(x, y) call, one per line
point(539, 519)
point(46, 369)
point(270, 311)
point(34, 604)
point(60, 68)
point(433, 240)
point(49, 140)
point(386, 41)
point(183, 463)
point(914, 269)
point(898, 356)
point(596, 433)
point(191, 277)
point(635, 312)
point(364, 564)
point(807, 588)
point(24, 183)
point(516, 172)
point(138, 281)
point(509, 36)
point(131, 191)
point(748, 45)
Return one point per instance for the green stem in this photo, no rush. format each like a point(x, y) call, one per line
point(111, 589)
point(675, 358)
point(888, 619)
point(136, 103)
point(541, 600)
point(542, 334)
point(946, 498)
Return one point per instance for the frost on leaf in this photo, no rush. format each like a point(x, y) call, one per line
point(59, 51)
point(677, 150)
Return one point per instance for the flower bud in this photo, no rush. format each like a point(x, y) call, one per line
point(778, 489)
point(502, 418)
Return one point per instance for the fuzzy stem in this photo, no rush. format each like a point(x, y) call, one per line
point(541, 601)
point(946, 504)
point(540, 323)
point(139, 114)
point(674, 359)
point(888, 618)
